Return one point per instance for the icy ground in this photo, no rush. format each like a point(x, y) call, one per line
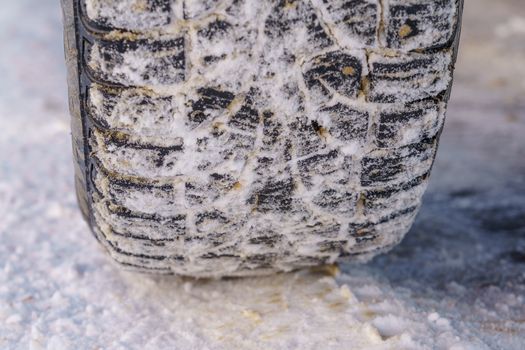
point(456, 282)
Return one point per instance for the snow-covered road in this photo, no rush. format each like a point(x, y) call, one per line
point(456, 282)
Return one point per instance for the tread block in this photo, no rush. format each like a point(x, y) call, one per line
point(267, 240)
point(419, 24)
point(336, 200)
point(137, 112)
point(135, 15)
point(386, 166)
point(145, 198)
point(273, 136)
point(247, 117)
point(354, 22)
point(259, 261)
point(141, 262)
point(347, 124)
point(385, 201)
point(141, 62)
point(215, 30)
point(224, 51)
point(306, 260)
point(234, 146)
point(263, 237)
point(292, 16)
point(270, 165)
point(274, 195)
point(200, 8)
point(383, 232)
point(315, 234)
point(319, 164)
point(151, 227)
point(408, 77)
point(118, 152)
point(401, 126)
point(306, 136)
point(129, 258)
point(213, 223)
point(209, 105)
point(205, 192)
point(321, 228)
point(333, 72)
point(145, 248)
point(223, 146)
point(331, 246)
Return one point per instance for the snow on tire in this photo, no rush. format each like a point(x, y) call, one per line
point(239, 137)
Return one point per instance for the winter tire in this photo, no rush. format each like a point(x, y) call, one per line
point(240, 137)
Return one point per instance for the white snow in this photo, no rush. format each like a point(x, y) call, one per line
point(133, 14)
point(456, 282)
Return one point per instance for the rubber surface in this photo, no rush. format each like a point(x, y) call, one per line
point(239, 137)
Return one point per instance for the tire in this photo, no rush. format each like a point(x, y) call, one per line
point(240, 137)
